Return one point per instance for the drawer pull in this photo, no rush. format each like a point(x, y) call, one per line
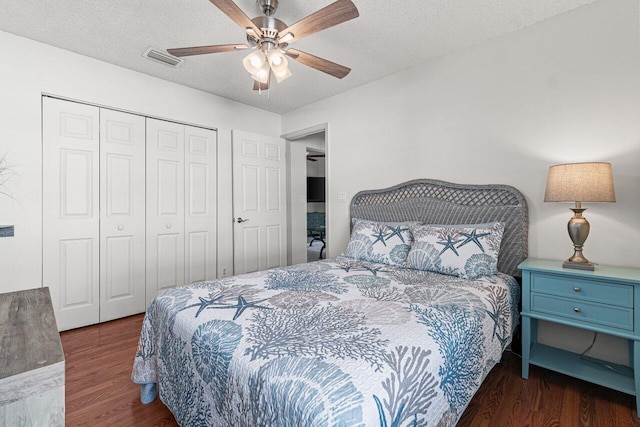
point(577, 289)
point(576, 309)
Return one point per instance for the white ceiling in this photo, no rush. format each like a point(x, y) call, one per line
point(389, 36)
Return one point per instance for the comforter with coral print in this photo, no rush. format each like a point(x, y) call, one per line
point(331, 343)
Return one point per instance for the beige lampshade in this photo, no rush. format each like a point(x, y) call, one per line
point(580, 182)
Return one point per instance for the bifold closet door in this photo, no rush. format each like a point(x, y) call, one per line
point(129, 209)
point(181, 205)
point(71, 211)
point(165, 206)
point(122, 214)
point(200, 204)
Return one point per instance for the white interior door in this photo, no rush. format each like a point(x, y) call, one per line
point(70, 238)
point(165, 206)
point(200, 204)
point(122, 214)
point(259, 202)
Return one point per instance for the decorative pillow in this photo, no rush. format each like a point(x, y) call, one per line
point(468, 251)
point(379, 242)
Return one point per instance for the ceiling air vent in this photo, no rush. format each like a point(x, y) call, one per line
point(164, 57)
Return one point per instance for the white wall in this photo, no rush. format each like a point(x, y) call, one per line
point(32, 69)
point(564, 90)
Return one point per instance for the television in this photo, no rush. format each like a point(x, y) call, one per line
point(315, 189)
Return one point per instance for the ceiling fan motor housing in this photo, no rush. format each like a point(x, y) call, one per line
point(270, 28)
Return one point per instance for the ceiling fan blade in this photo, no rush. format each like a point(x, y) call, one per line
point(199, 50)
point(334, 14)
point(336, 70)
point(236, 14)
point(260, 86)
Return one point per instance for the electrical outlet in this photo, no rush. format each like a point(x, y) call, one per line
point(224, 271)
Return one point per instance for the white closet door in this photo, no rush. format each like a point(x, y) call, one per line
point(200, 204)
point(165, 206)
point(71, 211)
point(122, 214)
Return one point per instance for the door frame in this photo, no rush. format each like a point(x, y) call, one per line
point(298, 134)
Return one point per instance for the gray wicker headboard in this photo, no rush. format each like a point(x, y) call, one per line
point(439, 202)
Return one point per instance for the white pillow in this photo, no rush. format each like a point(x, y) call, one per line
point(379, 242)
point(469, 251)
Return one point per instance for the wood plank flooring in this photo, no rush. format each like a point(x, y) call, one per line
point(99, 391)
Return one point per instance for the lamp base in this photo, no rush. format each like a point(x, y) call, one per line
point(579, 265)
point(578, 228)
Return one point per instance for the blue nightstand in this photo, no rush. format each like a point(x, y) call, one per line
point(603, 300)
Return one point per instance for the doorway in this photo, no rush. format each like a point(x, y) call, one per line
point(316, 200)
point(308, 216)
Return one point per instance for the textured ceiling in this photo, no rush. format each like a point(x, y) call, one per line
point(387, 37)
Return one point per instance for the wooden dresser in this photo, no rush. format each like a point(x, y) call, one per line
point(31, 361)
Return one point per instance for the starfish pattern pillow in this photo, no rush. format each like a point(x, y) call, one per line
point(468, 251)
point(379, 242)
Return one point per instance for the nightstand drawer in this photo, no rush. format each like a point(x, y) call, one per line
point(588, 290)
point(606, 315)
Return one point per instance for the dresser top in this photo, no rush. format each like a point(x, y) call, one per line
point(29, 337)
point(601, 271)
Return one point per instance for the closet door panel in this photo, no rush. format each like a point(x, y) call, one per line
point(77, 269)
point(70, 217)
point(122, 214)
point(165, 206)
point(197, 250)
point(169, 260)
point(200, 203)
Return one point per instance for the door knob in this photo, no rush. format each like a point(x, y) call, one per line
point(120, 227)
point(240, 220)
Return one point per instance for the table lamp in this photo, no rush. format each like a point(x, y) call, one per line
point(577, 183)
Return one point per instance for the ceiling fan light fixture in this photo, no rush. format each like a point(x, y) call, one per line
point(262, 75)
point(277, 60)
point(282, 74)
point(254, 62)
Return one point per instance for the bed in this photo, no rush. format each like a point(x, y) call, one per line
point(397, 332)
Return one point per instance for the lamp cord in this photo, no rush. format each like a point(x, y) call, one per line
point(598, 362)
point(595, 336)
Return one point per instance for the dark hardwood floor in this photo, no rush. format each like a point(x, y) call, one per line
point(99, 391)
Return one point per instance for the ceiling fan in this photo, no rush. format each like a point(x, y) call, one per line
point(269, 38)
point(311, 157)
